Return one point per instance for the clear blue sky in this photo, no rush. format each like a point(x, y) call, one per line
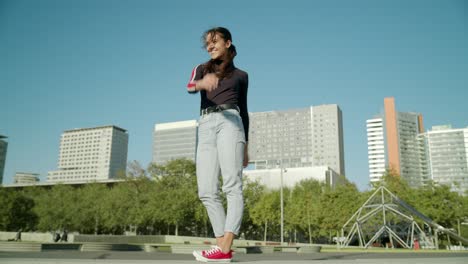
point(71, 64)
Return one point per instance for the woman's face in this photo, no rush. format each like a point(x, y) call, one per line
point(216, 46)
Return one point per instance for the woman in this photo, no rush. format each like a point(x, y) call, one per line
point(222, 139)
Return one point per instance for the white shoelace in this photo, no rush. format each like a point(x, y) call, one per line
point(212, 251)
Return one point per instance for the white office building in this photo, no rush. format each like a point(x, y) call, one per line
point(306, 137)
point(447, 150)
point(174, 140)
point(25, 178)
point(376, 148)
point(272, 178)
point(91, 154)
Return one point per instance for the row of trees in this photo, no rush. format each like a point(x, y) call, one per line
point(163, 200)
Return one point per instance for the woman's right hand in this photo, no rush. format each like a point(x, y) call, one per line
point(208, 83)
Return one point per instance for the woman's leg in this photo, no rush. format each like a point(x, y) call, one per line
point(231, 143)
point(208, 172)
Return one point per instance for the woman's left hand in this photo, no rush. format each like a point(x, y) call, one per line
point(246, 156)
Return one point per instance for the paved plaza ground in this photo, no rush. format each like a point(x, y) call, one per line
point(76, 257)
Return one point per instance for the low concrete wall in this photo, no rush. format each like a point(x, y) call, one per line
point(121, 239)
point(32, 237)
point(189, 240)
point(157, 240)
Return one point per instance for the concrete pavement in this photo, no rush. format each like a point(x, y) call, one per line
point(73, 257)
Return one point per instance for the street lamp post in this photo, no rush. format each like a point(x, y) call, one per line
point(281, 204)
point(281, 185)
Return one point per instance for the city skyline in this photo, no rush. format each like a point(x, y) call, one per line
point(73, 64)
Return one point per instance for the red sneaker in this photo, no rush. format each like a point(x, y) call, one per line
point(213, 255)
point(199, 254)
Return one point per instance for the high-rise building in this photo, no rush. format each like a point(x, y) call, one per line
point(447, 151)
point(305, 137)
point(91, 154)
point(3, 152)
point(174, 140)
point(376, 148)
point(392, 143)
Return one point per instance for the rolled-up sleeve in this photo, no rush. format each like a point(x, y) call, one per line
point(197, 74)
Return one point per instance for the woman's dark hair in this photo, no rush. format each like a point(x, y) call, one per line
point(223, 69)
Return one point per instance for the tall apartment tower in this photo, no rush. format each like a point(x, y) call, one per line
point(303, 137)
point(3, 152)
point(174, 140)
point(393, 143)
point(447, 151)
point(91, 154)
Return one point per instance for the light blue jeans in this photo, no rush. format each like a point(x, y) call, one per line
point(220, 151)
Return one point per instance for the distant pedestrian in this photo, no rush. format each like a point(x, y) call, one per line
point(56, 236)
point(18, 235)
point(64, 237)
point(222, 139)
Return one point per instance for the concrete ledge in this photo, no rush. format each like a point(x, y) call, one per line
point(20, 247)
point(309, 249)
point(254, 249)
point(287, 248)
point(61, 246)
point(299, 249)
point(109, 247)
point(157, 248)
point(118, 239)
point(143, 239)
point(187, 249)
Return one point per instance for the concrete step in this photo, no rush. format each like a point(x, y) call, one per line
point(187, 249)
point(20, 247)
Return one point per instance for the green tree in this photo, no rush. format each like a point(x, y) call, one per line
point(142, 191)
point(303, 208)
point(16, 211)
point(201, 217)
point(337, 205)
point(56, 208)
point(441, 205)
point(124, 203)
point(92, 197)
point(252, 191)
point(397, 185)
point(175, 193)
point(266, 212)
